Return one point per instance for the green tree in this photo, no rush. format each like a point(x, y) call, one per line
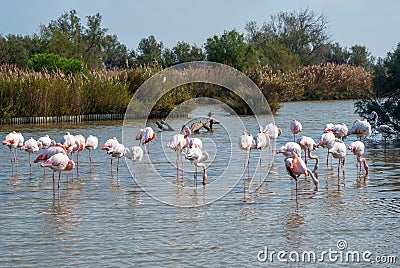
point(150, 51)
point(386, 101)
point(336, 54)
point(230, 48)
point(184, 52)
point(360, 56)
point(304, 33)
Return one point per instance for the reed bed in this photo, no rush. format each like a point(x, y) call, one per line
point(27, 94)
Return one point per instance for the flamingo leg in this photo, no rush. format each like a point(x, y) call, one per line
point(90, 159)
point(30, 163)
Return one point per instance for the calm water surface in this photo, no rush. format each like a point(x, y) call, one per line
point(100, 219)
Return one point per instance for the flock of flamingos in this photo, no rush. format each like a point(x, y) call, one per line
point(58, 155)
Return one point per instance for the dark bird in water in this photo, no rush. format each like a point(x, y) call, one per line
point(385, 130)
point(164, 126)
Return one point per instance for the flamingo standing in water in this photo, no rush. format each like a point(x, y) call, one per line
point(358, 148)
point(308, 145)
point(81, 142)
point(146, 135)
point(180, 142)
point(45, 142)
point(261, 141)
point(70, 143)
point(296, 166)
point(273, 131)
point(360, 128)
point(91, 144)
point(49, 152)
point(385, 130)
point(30, 146)
point(59, 162)
point(14, 140)
point(338, 151)
point(289, 149)
point(117, 150)
point(197, 157)
point(108, 145)
point(246, 143)
point(296, 128)
point(327, 140)
point(340, 131)
point(135, 154)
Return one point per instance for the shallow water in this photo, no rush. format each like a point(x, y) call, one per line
point(104, 219)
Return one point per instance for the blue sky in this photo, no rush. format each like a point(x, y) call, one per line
point(371, 23)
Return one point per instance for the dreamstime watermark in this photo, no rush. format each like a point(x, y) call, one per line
point(339, 254)
point(156, 175)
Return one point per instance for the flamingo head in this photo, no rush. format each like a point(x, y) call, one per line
point(105, 147)
point(70, 165)
point(8, 142)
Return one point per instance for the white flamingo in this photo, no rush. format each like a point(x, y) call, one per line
point(30, 146)
point(246, 143)
point(135, 154)
point(117, 150)
point(273, 131)
point(327, 140)
point(338, 151)
point(340, 131)
point(14, 140)
point(360, 128)
point(92, 142)
point(45, 142)
point(289, 149)
point(357, 148)
point(308, 145)
point(296, 128)
point(108, 145)
point(197, 157)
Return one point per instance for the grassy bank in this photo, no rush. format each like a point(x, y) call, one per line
point(29, 93)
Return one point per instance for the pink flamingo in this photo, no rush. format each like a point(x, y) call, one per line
point(261, 141)
point(30, 146)
point(340, 131)
point(360, 128)
point(59, 162)
point(338, 151)
point(357, 148)
point(180, 142)
point(14, 140)
point(273, 132)
point(49, 152)
point(289, 149)
point(308, 145)
point(145, 136)
point(296, 128)
point(197, 157)
point(296, 166)
point(70, 142)
point(117, 150)
point(327, 140)
point(246, 143)
point(135, 154)
point(91, 144)
point(108, 145)
point(81, 142)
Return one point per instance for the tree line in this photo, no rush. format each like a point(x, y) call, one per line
point(291, 56)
